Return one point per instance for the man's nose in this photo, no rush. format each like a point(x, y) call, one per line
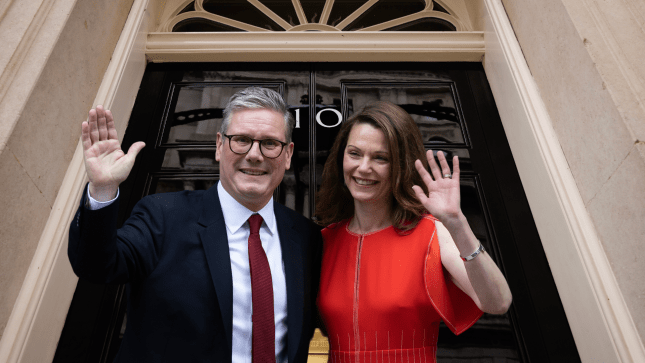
point(255, 154)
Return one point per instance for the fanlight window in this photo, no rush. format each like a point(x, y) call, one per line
point(312, 15)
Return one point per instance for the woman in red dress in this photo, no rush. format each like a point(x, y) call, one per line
point(399, 255)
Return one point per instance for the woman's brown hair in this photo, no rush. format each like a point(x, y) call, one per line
point(334, 201)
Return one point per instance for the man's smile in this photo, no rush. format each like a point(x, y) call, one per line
point(253, 172)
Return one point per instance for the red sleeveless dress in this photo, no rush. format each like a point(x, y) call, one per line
point(383, 295)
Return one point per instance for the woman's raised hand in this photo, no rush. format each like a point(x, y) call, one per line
point(443, 199)
point(106, 164)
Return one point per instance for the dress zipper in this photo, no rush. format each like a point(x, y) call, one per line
point(357, 336)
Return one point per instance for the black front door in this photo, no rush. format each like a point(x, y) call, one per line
point(178, 112)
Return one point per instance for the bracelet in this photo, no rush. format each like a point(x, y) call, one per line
point(479, 250)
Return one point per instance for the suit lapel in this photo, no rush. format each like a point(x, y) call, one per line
point(215, 242)
point(294, 275)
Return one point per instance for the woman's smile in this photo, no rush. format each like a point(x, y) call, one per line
point(365, 182)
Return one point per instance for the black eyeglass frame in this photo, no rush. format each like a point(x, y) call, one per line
point(230, 146)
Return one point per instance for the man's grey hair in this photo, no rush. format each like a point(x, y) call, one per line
point(258, 98)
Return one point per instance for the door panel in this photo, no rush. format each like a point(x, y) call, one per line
point(179, 109)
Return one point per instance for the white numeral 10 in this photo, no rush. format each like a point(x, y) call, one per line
point(318, 120)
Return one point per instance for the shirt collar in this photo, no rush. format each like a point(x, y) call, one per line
point(235, 214)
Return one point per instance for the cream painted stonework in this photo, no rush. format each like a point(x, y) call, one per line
point(583, 112)
point(620, 224)
point(59, 57)
point(44, 136)
point(28, 30)
point(24, 213)
point(589, 69)
point(613, 32)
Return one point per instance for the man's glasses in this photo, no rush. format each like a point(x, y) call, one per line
point(241, 145)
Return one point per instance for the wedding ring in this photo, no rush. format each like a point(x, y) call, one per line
point(447, 176)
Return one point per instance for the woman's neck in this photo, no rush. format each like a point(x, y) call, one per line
point(370, 217)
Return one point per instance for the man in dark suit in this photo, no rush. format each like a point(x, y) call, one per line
point(222, 275)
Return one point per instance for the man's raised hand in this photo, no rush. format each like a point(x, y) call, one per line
point(106, 164)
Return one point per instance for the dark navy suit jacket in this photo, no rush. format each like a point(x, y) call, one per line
point(173, 255)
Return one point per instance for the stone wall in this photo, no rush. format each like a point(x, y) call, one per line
point(55, 64)
point(586, 58)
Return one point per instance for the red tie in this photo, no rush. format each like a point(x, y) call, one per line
point(262, 297)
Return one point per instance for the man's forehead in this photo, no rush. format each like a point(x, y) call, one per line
point(255, 119)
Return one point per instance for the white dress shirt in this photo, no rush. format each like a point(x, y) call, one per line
point(237, 230)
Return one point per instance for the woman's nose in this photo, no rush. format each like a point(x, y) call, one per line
point(364, 165)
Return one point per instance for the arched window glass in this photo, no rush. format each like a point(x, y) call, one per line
point(343, 9)
point(313, 9)
point(189, 7)
point(202, 25)
point(440, 8)
point(312, 15)
point(283, 9)
point(425, 25)
point(386, 10)
point(242, 11)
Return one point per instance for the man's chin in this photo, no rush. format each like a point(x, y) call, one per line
point(255, 188)
point(256, 193)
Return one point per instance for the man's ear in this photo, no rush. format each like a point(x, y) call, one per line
point(218, 150)
point(289, 151)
